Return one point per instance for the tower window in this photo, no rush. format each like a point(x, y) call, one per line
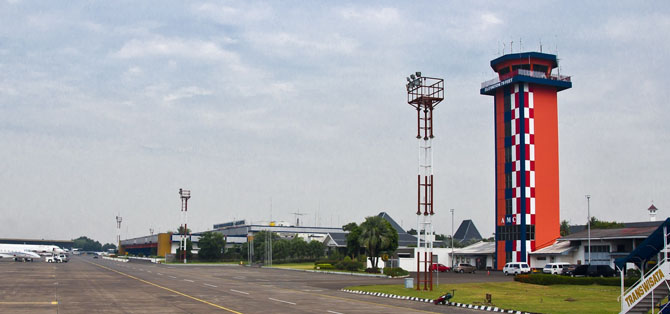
point(540, 68)
point(521, 66)
point(503, 71)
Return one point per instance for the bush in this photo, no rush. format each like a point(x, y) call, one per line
point(326, 261)
point(395, 272)
point(348, 264)
point(547, 280)
point(372, 270)
point(324, 266)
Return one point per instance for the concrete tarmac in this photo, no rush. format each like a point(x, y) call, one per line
point(87, 285)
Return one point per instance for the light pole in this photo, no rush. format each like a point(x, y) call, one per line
point(588, 223)
point(118, 232)
point(452, 238)
point(184, 195)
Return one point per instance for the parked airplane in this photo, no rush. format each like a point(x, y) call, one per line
point(17, 253)
point(29, 250)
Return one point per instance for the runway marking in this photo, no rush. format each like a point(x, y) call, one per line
point(238, 291)
point(238, 277)
point(334, 312)
point(159, 274)
point(148, 271)
point(28, 303)
point(310, 290)
point(367, 302)
point(206, 284)
point(273, 299)
point(167, 289)
point(173, 277)
point(189, 280)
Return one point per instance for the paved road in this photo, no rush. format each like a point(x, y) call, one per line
point(86, 285)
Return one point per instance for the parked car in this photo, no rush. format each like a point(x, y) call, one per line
point(593, 271)
point(464, 268)
point(569, 270)
point(439, 267)
point(554, 268)
point(516, 268)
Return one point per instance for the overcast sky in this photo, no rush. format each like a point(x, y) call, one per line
point(111, 107)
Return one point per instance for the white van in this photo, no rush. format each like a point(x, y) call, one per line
point(516, 268)
point(555, 268)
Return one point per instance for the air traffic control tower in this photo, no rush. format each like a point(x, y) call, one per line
point(526, 153)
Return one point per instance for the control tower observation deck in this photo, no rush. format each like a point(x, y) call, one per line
point(526, 153)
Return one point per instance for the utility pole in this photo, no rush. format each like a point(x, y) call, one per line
point(588, 223)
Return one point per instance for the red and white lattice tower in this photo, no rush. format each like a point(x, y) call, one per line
point(424, 93)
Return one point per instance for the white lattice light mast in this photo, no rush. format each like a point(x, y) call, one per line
point(184, 195)
point(424, 93)
point(118, 232)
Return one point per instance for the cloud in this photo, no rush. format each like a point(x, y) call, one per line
point(175, 47)
point(290, 44)
point(372, 15)
point(224, 14)
point(186, 92)
point(490, 19)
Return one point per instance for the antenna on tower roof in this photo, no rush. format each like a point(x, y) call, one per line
point(540, 45)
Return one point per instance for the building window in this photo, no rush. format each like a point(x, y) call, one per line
point(508, 207)
point(508, 180)
point(508, 154)
point(540, 68)
point(508, 256)
point(597, 249)
point(521, 66)
point(503, 71)
point(513, 232)
point(621, 248)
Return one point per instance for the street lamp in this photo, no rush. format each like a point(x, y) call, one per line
point(588, 223)
point(452, 238)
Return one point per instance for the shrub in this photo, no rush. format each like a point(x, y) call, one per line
point(372, 270)
point(348, 264)
point(325, 266)
point(547, 280)
point(395, 271)
point(326, 261)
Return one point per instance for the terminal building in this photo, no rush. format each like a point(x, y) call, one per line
point(526, 153)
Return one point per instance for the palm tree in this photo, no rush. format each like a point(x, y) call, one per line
point(377, 236)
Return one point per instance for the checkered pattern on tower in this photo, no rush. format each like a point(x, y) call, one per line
point(523, 138)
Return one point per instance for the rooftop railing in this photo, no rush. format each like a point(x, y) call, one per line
point(523, 72)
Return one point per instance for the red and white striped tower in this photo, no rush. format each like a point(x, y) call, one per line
point(184, 195)
point(424, 93)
